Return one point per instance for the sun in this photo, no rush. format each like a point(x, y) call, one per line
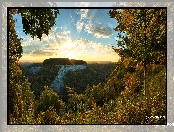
point(69, 44)
point(71, 56)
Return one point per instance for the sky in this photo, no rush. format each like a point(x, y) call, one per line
point(81, 34)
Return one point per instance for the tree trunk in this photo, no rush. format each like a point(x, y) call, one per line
point(145, 90)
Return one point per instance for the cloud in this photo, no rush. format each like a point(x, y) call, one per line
point(74, 49)
point(83, 16)
point(62, 35)
point(94, 23)
point(99, 31)
point(87, 50)
point(79, 26)
point(31, 47)
point(51, 41)
point(48, 46)
point(28, 52)
point(59, 43)
point(55, 36)
point(83, 13)
point(37, 53)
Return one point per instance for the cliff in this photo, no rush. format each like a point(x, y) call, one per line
point(63, 61)
point(58, 83)
point(65, 65)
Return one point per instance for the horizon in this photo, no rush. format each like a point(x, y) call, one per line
point(27, 61)
point(82, 34)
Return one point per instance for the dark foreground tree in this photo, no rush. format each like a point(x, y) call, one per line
point(38, 21)
point(20, 97)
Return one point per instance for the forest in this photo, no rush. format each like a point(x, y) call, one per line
point(130, 91)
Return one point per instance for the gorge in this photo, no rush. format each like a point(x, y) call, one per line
point(58, 83)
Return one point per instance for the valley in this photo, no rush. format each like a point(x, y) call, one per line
point(66, 73)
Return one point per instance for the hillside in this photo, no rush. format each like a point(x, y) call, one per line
point(63, 61)
point(75, 73)
point(58, 83)
point(103, 88)
point(67, 91)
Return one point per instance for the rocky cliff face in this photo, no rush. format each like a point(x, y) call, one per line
point(58, 83)
point(63, 61)
point(34, 69)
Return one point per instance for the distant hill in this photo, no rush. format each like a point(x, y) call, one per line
point(63, 61)
point(57, 73)
point(99, 62)
point(47, 73)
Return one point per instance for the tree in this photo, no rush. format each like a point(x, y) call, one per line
point(38, 21)
point(146, 33)
point(21, 99)
point(49, 98)
point(145, 39)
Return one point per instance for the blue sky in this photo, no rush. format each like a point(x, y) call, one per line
point(85, 34)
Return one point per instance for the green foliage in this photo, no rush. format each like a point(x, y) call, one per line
point(104, 69)
point(130, 107)
point(118, 101)
point(81, 78)
point(15, 48)
point(38, 21)
point(97, 92)
point(115, 85)
point(44, 76)
point(136, 109)
point(49, 98)
point(33, 65)
point(145, 33)
point(143, 46)
point(50, 116)
point(21, 99)
point(75, 102)
point(27, 73)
